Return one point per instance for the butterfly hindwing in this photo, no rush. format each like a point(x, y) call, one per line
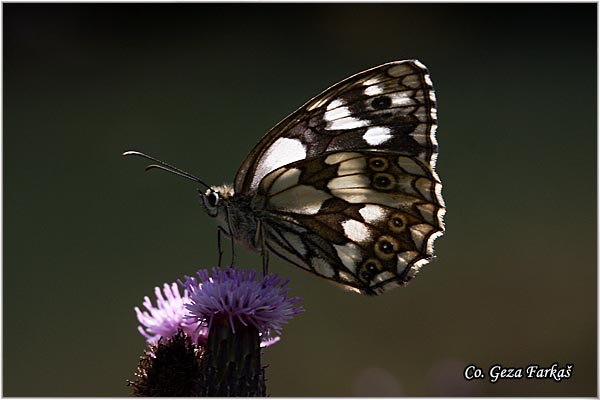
point(389, 107)
point(366, 219)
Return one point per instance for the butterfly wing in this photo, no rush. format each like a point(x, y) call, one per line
point(389, 107)
point(366, 219)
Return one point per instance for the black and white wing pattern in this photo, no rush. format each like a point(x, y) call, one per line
point(366, 219)
point(345, 187)
point(389, 107)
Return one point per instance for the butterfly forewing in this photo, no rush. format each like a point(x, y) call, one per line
point(389, 107)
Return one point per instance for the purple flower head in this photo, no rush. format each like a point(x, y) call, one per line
point(237, 296)
point(168, 316)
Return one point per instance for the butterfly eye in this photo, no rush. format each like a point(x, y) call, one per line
point(211, 202)
point(212, 199)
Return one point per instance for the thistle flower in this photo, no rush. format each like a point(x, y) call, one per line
point(168, 316)
point(238, 297)
point(207, 341)
point(240, 312)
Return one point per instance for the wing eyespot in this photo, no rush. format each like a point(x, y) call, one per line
point(372, 266)
point(381, 102)
point(397, 223)
point(378, 164)
point(386, 247)
point(383, 181)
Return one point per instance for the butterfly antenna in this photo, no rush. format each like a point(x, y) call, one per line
point(165, 167)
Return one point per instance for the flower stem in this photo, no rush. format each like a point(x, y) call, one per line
point(231, 365)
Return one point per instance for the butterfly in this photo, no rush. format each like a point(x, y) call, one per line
point(345, 187)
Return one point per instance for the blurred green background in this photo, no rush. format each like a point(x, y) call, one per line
point(87, 233)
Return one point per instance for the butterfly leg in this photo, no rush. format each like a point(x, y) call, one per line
point(232, 252)
point(265, 261)
point(229, 225)
point(259, 240)
point(219, 230)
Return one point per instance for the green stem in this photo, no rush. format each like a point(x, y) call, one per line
point(231, 365)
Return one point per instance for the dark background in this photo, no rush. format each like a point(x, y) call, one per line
point(87, 234)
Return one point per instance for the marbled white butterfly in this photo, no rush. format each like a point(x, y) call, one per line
point(345, 187)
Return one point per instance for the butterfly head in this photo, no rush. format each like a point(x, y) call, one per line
point(216, 198)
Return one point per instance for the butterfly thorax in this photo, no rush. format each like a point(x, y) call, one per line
point(235, 216)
